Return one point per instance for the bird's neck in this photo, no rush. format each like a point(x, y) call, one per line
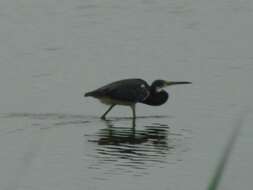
point(153, 89)
point(156, 98)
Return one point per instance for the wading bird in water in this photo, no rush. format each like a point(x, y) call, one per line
point(128, 92)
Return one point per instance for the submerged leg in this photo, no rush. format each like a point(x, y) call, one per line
point(103, 116)
point(133, 123)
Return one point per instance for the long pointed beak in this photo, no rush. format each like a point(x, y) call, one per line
point(169, 83)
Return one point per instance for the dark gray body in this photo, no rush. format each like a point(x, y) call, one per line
point(127, 91)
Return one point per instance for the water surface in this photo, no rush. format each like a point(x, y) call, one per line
point(52, 52)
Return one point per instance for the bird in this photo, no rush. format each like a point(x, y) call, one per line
point(128, 92)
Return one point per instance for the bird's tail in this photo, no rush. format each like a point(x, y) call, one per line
point(94, 94)
point(87, 94)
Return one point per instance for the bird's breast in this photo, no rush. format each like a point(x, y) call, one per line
point(110, 101)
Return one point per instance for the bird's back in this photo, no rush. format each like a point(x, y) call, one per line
point(131, 90)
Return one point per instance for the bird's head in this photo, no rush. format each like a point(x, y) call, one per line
point(159, 84)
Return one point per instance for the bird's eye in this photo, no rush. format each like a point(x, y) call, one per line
point(142, 86)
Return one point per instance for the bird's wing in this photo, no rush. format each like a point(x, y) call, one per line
point(131, 94)
point(132, 90)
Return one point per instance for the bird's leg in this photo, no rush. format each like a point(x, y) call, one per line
point(134, 115)
point(133, 110)
point(107, 111)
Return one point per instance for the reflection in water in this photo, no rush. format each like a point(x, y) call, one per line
point(131, 149)
point(157, 134)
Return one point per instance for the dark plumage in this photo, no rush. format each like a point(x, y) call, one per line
point(131, 91)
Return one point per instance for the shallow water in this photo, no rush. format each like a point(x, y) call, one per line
point(52, 52)
point(90, 150)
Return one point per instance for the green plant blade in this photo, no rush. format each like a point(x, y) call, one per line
point(219, 171)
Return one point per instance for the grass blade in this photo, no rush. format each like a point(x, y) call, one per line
point(219, 171)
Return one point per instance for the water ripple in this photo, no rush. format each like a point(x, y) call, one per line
point(132, 150)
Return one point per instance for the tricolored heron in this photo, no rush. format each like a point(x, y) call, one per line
point(128, 92)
